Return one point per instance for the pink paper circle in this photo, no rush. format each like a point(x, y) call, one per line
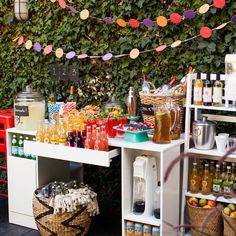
point(20, 40)
point(62, 3)
point(83, 56)
point(47, 49)
point(161, 48)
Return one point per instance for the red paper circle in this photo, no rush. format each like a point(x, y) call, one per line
point(175, 18)
point(219, 3)
point(134, 23)
point(205, 32)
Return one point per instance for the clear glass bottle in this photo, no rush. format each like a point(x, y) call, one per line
point(207, 91)
point(198, 90)
point(145, 85)
point(228, 183)
point(26, 154)
point(157, 203)
point(194, 179)
point(212, 169)
point(217, 181)
point(217, 91)
point(206, 181)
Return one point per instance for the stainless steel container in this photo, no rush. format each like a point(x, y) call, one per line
point(204, 132)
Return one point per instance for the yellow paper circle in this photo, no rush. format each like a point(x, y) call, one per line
point(84, 14)
point(161, 21)
point(59, 53)
point(204, 8)
point(121, 22)
point(221, 26)
point(134, 53)
point(176, 43)
point(28, 44)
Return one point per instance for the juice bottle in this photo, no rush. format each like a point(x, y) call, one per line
point(223, 172)
point(78, 138)
point(200, 171)
point(40, 133)
point(84, 133)
point(228, 183)
point(212, 169)
point(89, 144)
point(70, 137)
point(206, 181)
point(47, 134)
point(104, 138)
point(217, 181)
point(194, 179)
point(54, 135)
point(62, 136)
point(94, 133)
point(98, 145)
point(197, 90)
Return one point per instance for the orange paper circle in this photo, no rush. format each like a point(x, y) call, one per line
point(28, 44)
point(134, 53)
point(59, 53)
point(205, 32)
point(204, 8)
point(121, 22)
point(161, 21)
point(84, 14)
point(221, 26)
point(176, 44)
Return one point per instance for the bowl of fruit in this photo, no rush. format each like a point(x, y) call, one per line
point(204, 217)
point(229, 216)
point(135, 132)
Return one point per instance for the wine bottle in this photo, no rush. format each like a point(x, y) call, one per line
point(217, 91)
point(197, 90)
point(207, 91)
point(145, 85)
point(166, 88)
point(71, 97)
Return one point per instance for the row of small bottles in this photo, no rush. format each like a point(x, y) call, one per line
point(60, 98)
point(88, 137)
point(207, 93)
point(213, 178)
point(17, 146)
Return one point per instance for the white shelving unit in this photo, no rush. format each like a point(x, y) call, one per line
point(206, 154)
point(52, 164)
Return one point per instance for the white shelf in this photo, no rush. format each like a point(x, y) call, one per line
point(211, 197)
point(20, 131)
point(220, 108)
point(151, 220)
point(146, 146)
point(211, 152)
point(81, 155)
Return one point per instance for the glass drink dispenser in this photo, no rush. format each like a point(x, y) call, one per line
point(29, 107)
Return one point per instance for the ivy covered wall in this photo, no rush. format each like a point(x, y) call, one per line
point(48, 23)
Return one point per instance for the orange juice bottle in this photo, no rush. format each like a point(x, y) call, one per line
point(194, 179)
point(206, 181)
point(40, 133)
point(62, 135)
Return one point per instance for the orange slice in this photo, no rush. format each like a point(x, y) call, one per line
point(81, 116)
point(55, 116)
point(74, 111)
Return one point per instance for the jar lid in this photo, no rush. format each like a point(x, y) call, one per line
point(112, 103)
point(204, 122)
point(29, 95)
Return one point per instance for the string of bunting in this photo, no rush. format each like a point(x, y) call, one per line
point(161, 21)
point(205, 32)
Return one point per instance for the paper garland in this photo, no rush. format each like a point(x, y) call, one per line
point(205, 32)
point(161, 21)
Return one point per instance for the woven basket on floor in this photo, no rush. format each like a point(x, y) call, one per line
point(74, 223)
point(197, 215)
point(148, 101)
point(228, 221)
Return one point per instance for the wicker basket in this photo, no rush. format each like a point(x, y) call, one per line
point(228, 221)
point(61, 224)
point(197, 215)
point(148, 101)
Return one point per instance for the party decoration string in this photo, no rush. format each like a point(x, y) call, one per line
point(204, 32)
point(161, 21)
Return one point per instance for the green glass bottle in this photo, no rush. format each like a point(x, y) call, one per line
point(21, 147)
point(228, 183)
point(14, 146)
point(217, 181)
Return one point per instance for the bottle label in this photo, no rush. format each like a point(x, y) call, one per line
point(21, 151)
point(197, 94)
point(217, 95)
point(227, 189)
point(207, 94)
point(46, 140)
point(38, 139)
point(14, 150)
point(216, 188)
point(204, 183)
point(193, 182)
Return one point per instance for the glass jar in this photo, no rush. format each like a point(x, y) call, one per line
point(29, 107)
